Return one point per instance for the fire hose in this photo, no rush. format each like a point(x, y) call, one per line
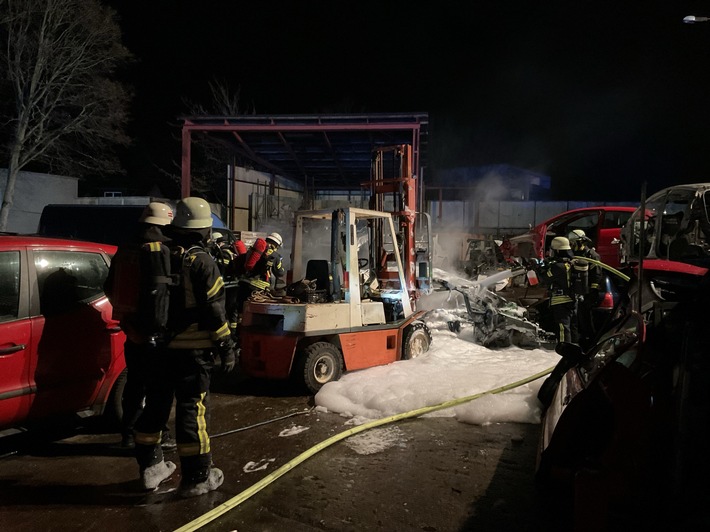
point(605, 266)
point(255, 488)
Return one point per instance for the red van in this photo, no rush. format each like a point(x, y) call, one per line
point(60, 350)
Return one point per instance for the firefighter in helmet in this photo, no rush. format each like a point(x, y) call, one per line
point(199, 333)
point(269, 273)
point(274, 265)
point(582, 247)
point(137, 286)
point(559, 279)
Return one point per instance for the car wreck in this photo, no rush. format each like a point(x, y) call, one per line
point(496, 321)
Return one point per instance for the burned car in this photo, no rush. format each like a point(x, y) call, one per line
point(673, 243)
point(625, 423)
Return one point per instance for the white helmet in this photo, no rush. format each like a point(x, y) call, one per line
point(275, 239)
point(157, 213)
point(577, 234)
point(560, 243)
point(193, 213)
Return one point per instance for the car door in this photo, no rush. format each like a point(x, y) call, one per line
point(588, 221)
point(16, 345)
point(609, 236)
point(74, 353)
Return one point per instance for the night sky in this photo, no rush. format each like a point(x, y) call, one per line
point(601, 96)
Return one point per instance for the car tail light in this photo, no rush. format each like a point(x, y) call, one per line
point(607, 301)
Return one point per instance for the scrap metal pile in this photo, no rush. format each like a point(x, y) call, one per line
point(496, 321)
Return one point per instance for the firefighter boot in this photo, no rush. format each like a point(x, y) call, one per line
point(192, 488)
point(153, 469)
point(154, 475)
point(199, 476)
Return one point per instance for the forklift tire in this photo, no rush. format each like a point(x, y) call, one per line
point(417, 340)
point(319, 363)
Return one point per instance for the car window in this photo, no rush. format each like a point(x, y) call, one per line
point(566, 224)
point(9, 285)
point(615, 219)
point(66, 278)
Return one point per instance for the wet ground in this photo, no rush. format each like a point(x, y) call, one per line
point(431, 474)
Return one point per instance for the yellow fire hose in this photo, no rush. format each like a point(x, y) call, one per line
point(605, 266)
point(244, 495)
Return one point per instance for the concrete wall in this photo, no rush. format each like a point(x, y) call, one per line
point(32, 192)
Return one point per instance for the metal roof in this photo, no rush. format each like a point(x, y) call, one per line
point(324, 152)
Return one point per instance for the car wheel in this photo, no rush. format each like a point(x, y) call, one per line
point(114, 406)
point(417, 340)
point(320, 363)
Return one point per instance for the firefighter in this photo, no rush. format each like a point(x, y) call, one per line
point(560, 282)
point(140, 304)
point(268, 273)
point(199, 331)
point(582, 247)
point(274, 265)
point(230, 259)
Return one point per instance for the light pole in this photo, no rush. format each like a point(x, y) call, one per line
point(692, 19)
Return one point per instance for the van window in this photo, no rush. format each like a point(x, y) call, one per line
point(66, 278)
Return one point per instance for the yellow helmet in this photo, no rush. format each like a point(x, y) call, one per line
point(560, 243)
point(193, 213)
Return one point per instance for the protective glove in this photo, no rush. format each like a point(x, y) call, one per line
point(227, 355)
point(229, 360)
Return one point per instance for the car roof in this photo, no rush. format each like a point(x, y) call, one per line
point(693, 187)
point(608, 208)
point(17, 240)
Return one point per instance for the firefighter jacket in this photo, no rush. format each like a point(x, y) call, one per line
point(559, 281)
point(197, 304)
point(137, 285)
point(269, 273)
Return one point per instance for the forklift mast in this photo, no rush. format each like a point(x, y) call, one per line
point(393, 189)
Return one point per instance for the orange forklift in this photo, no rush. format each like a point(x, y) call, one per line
point(359, 309)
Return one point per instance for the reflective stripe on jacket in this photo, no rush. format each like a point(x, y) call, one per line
point(203, 317)
point(559, 282)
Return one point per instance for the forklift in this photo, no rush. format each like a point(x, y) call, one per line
point(359, 307)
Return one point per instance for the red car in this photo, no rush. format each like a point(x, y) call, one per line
point(601, 224)
point(61, 353)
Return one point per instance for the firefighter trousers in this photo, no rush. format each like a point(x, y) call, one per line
point(136, 356)
point(185, 375)
point(564, 316)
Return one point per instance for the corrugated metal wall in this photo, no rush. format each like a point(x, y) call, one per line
point(500, 217)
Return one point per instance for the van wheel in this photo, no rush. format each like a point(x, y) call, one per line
point(114, 405)
point(320, 363)
point(417, 340)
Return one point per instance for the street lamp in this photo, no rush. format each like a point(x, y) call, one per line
point(692, 19)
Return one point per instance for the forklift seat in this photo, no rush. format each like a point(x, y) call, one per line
point(319, 270)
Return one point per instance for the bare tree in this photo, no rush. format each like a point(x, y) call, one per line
point(67, 112)
point(212, 152)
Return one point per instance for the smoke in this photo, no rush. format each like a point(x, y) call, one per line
point(493, 187)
